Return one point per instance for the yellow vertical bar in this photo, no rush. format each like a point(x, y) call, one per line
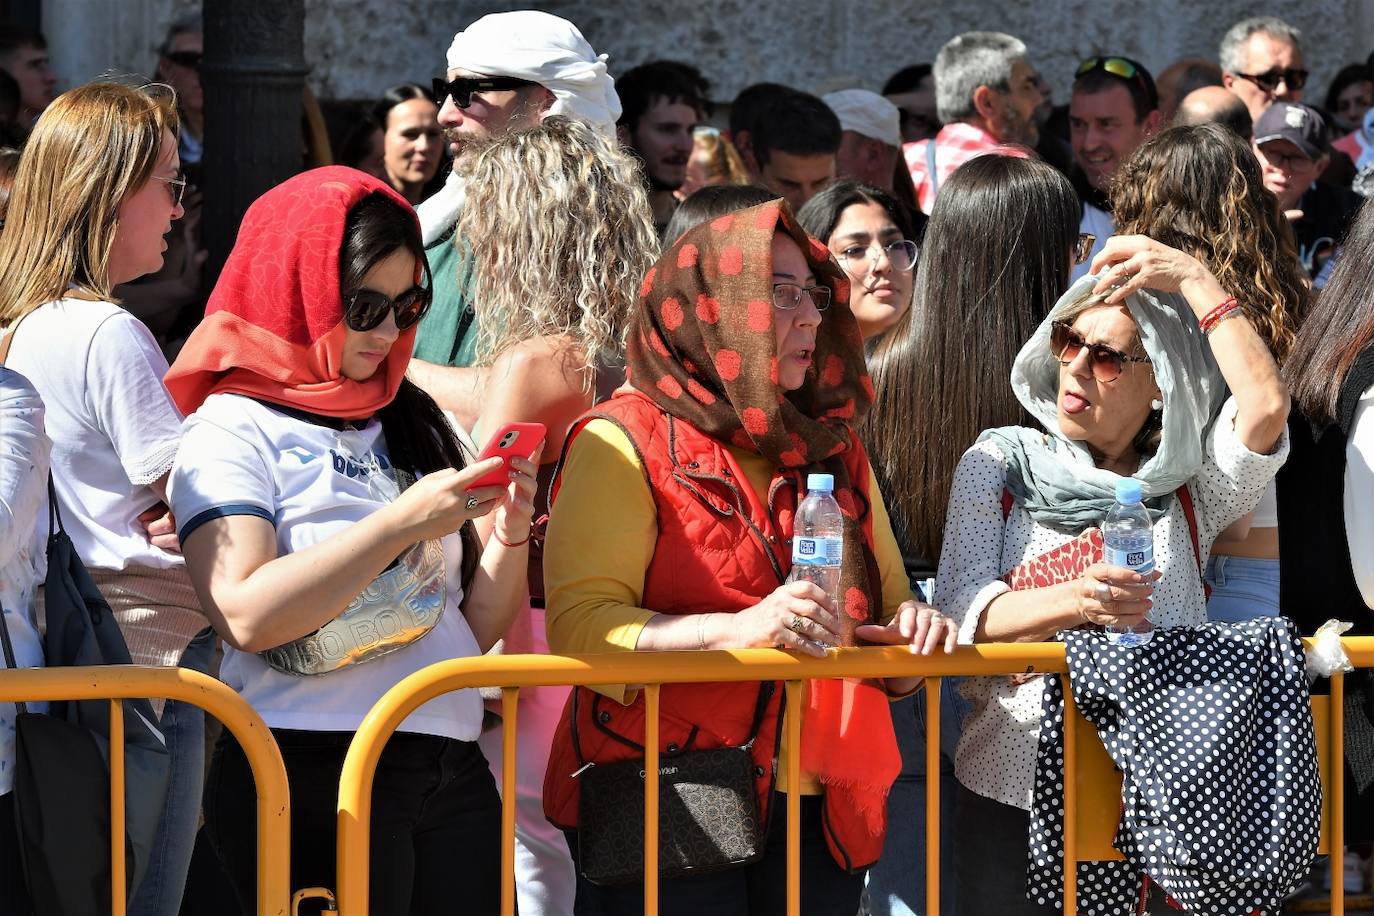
point(651, 799)
point(932, 826)
point(1337, 713)
point(510, 698)
point(792, 748)
point(117, 882)
point(1070, 801)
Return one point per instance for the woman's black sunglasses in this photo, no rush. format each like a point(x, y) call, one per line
point(368, 308)
point(462, 88)
point(1107, 363)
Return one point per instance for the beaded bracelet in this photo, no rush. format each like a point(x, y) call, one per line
point(496, 534)
point(1228, 307)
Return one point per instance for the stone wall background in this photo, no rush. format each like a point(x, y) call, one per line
point(357, 48)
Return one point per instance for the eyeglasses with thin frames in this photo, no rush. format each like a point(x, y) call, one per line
point(901, 254)
point(175, 187)
point(1107, 362)
point(787, 296)
point(1296, 163)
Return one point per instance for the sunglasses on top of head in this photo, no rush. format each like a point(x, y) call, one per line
point(1107, 363)
point(461, 89)
point(367, 308)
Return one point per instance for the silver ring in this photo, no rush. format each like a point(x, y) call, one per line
point(471, 503)
point(797, 624)
point(1103, 592)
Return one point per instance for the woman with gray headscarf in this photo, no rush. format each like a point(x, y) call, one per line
point(1128, 376)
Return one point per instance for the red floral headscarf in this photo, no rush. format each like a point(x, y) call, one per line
point(703, 348)
point(273, 327)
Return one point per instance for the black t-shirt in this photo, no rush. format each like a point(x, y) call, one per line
point(1326, 215)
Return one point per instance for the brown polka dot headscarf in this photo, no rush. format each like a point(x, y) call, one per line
point(703, 347)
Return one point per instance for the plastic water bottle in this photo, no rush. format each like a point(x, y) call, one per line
point(818, 538)
point(1128, 540)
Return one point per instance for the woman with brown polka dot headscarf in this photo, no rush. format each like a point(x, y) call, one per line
point(670, 529)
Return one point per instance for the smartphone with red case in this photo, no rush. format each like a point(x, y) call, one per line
point(514, 440)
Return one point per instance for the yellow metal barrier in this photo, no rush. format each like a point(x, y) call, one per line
point(511, 672)
point(117, 682)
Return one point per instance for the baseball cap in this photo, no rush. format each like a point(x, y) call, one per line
point(1299, 124)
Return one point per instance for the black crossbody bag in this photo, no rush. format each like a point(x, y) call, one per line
point(708, 821)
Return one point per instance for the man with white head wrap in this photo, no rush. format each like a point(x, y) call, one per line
point(506, 71)
point(870, 136)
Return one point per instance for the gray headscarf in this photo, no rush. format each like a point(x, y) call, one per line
point(1055, 478)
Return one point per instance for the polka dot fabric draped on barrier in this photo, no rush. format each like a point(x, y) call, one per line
point(1212, 729)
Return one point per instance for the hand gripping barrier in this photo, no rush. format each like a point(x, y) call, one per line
point(1091, 811)
point(117, 682)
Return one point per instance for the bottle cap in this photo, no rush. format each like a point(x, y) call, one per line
point(824, 482)
point(1128, 491)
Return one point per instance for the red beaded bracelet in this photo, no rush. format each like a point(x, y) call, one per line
point(1228, 306)
point(496, 534)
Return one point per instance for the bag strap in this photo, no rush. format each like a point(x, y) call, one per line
point(10, 663)
point(932, 174)
point(766, 691)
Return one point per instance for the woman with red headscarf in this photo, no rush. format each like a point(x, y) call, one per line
point(670, 529)
point(324, 511)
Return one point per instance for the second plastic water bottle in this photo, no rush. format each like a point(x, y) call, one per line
point(818, 537)
point(1128, 540)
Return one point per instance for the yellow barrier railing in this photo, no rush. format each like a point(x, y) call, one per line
point(118, 682)
point(654, 669)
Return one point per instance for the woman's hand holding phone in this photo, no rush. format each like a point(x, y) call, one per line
point(440, 502)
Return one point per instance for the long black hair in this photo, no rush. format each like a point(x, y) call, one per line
point(994, 261)
point(419, 437)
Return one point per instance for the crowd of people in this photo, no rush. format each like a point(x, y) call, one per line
point(974, 312)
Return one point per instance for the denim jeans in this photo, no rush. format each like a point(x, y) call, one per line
point(160, 891)
point(183, 725)
point(897, 881)
point(1242, 588)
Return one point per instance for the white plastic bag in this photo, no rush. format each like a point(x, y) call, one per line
point(1327, 655)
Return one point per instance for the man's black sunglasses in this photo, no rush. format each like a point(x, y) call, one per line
point(462, 88)
point(1269, 80)
point(368, 308)
point(188, 59)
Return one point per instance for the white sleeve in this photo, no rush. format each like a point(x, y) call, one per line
point(1359, 496)
point(218, 473)
point(124, 370)
point(24, 450)
point(970, 571)
point(1232, 478)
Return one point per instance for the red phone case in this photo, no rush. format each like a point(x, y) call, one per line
point(511, 440)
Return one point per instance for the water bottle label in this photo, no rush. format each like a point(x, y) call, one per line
point(817, 551)
point(1142, 560)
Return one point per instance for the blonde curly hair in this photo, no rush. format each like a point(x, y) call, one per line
point(561, 235)
point(1199, 189)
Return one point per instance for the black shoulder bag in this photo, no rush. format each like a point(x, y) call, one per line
point(708, 815)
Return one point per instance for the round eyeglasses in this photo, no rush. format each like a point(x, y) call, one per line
point(1107, 362)
point(859, 258)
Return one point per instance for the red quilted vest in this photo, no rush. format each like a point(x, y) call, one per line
point(717, 550)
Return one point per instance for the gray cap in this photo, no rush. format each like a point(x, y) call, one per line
point(1299, 124)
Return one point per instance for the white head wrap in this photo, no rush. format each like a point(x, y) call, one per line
point(534, 46)
point(867, 113)
point(544, 49)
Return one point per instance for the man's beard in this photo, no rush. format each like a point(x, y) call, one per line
point(1016, 129)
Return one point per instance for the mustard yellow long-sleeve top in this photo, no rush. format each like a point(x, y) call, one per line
point(602, 535)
